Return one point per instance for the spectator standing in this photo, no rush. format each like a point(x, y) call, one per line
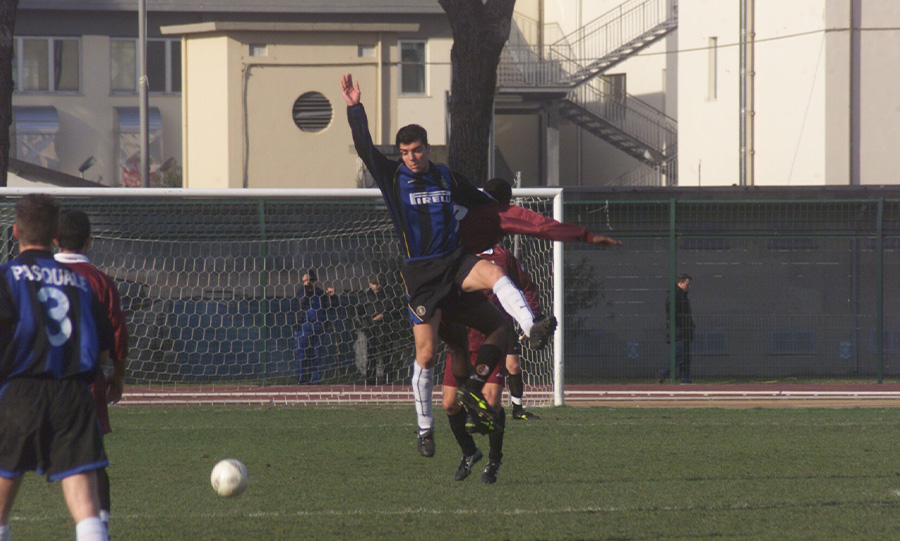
point(684, 330)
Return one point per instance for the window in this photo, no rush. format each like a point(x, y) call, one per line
point(712, 82)
point(258, 49)
point(163, 65)
point(365, 51)
point(46, 64)
point(412, 67)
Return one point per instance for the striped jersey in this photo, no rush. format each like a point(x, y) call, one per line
point(51, 324)
point(421, 205)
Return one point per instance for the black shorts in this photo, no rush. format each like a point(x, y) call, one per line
point(432, 283)
point(49, 426)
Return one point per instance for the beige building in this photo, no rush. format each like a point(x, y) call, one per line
point(263, 107)
point(76, 105)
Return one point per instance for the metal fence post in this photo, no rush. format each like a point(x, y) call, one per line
point(879, 289)
point(673, 272)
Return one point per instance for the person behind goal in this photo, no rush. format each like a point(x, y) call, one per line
point(73, 241)
point(53, 333)
point(420, 198)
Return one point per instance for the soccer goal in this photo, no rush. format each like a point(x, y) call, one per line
point(212, 283)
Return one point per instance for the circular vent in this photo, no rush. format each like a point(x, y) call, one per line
point(312, 112)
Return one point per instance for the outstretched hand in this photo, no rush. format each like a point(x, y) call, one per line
point(605, 241)
point(349, 90)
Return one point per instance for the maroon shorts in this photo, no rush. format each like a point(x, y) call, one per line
point(497, 375)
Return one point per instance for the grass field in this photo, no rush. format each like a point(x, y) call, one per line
point(578, 473)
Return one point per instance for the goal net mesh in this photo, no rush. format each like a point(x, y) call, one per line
point(213, 292)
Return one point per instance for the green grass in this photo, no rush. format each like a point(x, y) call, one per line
point(578, 473)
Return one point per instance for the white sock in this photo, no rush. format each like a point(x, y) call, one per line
point(423, 386)
point(516, 401)
point(91, 529)
point(513, 301)
point(4, 532)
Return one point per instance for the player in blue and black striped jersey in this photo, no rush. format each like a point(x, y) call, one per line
point(420, 197)
point(53, 334)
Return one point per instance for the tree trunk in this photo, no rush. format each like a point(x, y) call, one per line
point(7, 26)
point(480, 30)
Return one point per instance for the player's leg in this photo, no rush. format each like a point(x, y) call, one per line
point(456, 417)
point(101, 409)
point(493, 391)
point(515, 382)
point(476, 312)
point(485, 275)
point(8, 490)
point(425, 337)
point(82, 499)
point(104, 495)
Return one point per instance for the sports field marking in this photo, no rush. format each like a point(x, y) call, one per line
point(828, 395)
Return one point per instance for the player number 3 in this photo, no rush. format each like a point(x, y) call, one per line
point(58, 313)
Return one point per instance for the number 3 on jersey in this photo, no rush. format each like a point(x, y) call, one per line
point(56, 303)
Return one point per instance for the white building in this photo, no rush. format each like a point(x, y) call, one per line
point(822, 81)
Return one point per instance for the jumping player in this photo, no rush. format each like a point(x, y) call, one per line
point(492, 222)
point(516, 271)
point(73, 241)
point(420, 197)
point(53, 331)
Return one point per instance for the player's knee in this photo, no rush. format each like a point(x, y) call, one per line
point(492, 395)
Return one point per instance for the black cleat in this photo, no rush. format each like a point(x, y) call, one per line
point(541, 332)
point(465, 465)
point(477, 425)
point(519, 414)
point(426, 444)
point(489, 476)
point(476, 405)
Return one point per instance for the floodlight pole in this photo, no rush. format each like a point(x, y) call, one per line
point(142, 92)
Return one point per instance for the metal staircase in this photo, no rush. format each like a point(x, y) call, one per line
point(566, 72)
point(625, 122)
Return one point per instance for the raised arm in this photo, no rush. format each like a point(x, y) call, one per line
point(381, 168)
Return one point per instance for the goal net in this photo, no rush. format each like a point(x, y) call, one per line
point(212, 284)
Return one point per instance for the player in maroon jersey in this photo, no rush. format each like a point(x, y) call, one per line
point(463, 425)
point(483, 226)
point(74, 239)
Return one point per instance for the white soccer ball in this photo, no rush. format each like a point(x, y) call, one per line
point(229, 477)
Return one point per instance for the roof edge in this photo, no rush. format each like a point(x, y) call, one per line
point(213, 27)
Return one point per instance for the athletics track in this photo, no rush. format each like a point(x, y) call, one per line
point(666, 395)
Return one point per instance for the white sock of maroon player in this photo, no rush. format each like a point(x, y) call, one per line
point(514, 303)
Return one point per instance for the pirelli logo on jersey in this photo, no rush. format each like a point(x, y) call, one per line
point(428, 198)
point(51, 276)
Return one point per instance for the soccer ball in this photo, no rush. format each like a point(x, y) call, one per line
point(229, 477)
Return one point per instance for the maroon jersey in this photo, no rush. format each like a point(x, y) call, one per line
point(482, 226)
point(108, 294)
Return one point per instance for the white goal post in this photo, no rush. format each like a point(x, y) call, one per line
point(211, 282)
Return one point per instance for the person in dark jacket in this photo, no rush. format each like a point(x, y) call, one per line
point(684, 331)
